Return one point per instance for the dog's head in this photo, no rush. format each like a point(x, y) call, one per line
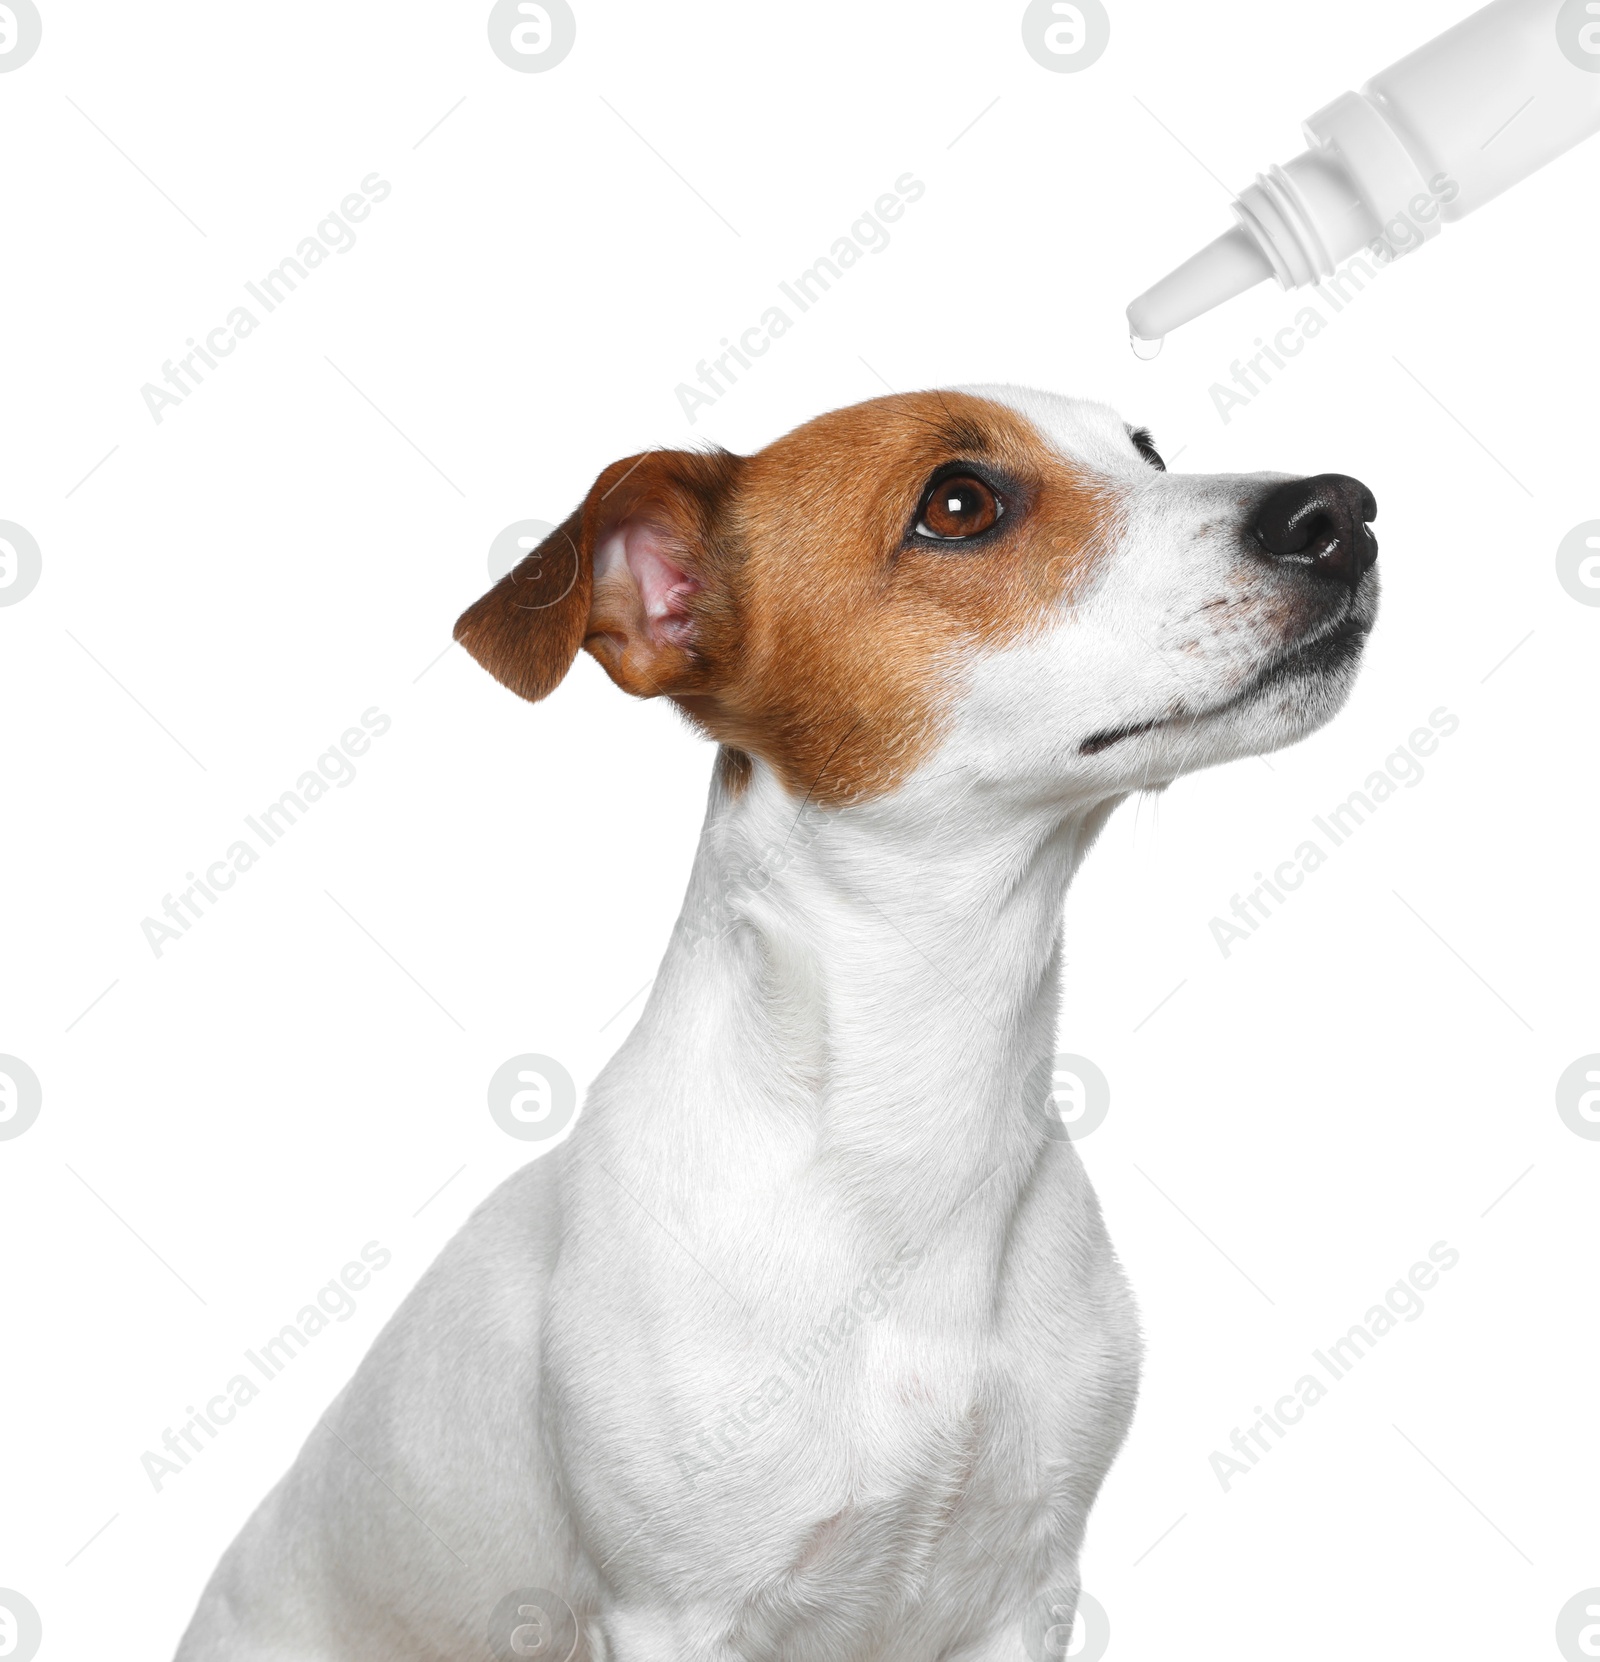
point(1006, 576)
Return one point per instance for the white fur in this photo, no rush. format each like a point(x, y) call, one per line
point(828, 1105)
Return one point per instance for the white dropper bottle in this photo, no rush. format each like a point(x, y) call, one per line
point(1421, 145)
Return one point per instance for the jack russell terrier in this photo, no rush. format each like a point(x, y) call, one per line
point(809, 1344)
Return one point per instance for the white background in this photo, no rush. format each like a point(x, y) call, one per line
point(275, 557)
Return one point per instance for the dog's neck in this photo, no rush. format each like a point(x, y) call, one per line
point(869, 995)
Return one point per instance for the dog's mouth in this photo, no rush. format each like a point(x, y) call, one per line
point(1320, 655)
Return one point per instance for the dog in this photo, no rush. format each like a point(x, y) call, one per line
point(809, 1345)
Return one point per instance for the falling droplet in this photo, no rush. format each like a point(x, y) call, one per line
point(1144, 349)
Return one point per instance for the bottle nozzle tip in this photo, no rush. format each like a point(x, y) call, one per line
point(1222, 269)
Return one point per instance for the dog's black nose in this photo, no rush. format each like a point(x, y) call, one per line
point(1322, 523)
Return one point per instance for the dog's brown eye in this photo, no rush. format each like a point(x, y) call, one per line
point(959, 507)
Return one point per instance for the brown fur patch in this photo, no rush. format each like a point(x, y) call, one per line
point(822, 640)
point(845, 645)
point(733, 770)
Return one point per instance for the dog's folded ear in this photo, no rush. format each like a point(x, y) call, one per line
point(527, 629)
point(639, 575)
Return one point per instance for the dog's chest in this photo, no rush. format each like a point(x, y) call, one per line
point(925, 1465)
point(850, 1495)
point(825, 1449)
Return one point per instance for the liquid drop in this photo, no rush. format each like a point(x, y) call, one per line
point(1144, 349)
